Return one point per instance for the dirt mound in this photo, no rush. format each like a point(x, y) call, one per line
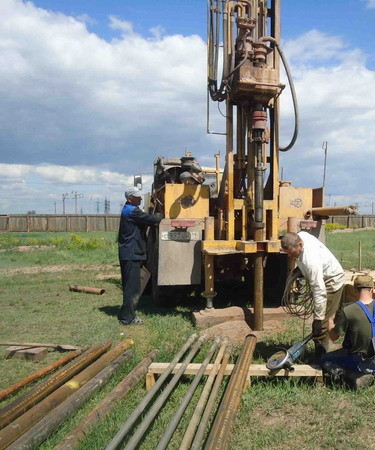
point(235, 330)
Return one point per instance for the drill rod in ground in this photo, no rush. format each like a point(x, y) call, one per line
point(116, 441)
point(119, 392)
point(226, 414)
point(198, 439)
point(45, 427)
point(194, 421)
point(185, 401)
point(155, 408)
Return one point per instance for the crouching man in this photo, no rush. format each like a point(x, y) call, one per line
point(354, 364)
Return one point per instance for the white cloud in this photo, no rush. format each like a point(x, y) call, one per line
point(370, 4)
point(79, 109)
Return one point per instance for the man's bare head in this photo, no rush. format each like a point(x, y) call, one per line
point(292, 244)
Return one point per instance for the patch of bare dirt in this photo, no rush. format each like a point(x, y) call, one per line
point(29, 248)
point(235, 330)
point(108, 276)
point(48, 269)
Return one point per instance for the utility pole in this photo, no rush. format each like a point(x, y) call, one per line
point(325, 147)
point(64, 196)
point(107, 206)
point(97, 206)
point(76, 196)
point(55, 205)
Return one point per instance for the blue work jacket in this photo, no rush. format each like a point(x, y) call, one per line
point(132, 232)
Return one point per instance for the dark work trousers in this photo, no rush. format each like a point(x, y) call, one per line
point(131, 286)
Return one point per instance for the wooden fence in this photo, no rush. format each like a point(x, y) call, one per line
point(55, 222)
point(109, 222)
point(360, 221)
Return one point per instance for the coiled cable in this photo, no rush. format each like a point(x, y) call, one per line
point(297, 298)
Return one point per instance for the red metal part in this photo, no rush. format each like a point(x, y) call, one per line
point(181, 223)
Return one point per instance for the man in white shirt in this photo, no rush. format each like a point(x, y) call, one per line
point(325, 276)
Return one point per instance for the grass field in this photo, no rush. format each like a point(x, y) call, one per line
point(37, 306)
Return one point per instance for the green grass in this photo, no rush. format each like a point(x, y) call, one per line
point(345, 246)
point(277, 413)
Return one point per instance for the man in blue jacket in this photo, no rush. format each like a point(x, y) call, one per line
point(132, 253)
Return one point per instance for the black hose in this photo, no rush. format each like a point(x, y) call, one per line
point(292, 90)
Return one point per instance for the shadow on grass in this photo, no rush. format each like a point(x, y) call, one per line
point(147, 307)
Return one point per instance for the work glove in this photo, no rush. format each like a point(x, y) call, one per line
point(159, 216)
point(317, 327)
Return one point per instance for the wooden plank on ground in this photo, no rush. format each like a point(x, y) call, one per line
point(29, 354)
point(255, 370)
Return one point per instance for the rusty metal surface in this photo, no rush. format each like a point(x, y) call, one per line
point(332, 211)
point(19, 426)
point(40, 391)
point(118, 438)
point(199, 409)
point(222, 427)
point(100, 411)
point(15, 387)
point(88, 290)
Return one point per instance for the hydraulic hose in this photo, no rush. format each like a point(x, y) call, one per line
point(292, 90)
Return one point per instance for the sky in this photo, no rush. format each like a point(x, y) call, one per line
point(92, 91)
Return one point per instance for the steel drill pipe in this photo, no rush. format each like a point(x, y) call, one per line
point(88, 290)
point(332, 211)
point(124, 430)
point(155, 408)
point(224, 421)
point(197, 414)
point(185, 401)
point(19, 426)
point(198, 439)
point(119, 392)
point(45, 427)
point(23, 403)
point(45, 370)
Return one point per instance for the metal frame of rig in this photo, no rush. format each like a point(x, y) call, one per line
point(230, 229)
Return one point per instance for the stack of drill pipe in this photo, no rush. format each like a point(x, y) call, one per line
point(23, 403)
point(140, 431)
point(87, 424)
point(164, 441)
point(19, 426)
point(124, 430)
point(45, 427)
point(222, 427)
point(17, 386)
point(199, 436)
point(197, 414)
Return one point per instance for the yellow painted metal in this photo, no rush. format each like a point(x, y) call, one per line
point(216, 247)
point(179, 197)
point(238, 203)
point(293, 203)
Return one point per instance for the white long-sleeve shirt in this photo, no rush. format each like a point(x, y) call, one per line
point(322, 270)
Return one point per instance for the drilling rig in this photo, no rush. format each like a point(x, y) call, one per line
point(229, 228)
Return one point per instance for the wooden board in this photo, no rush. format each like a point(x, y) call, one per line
point(29, 354)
